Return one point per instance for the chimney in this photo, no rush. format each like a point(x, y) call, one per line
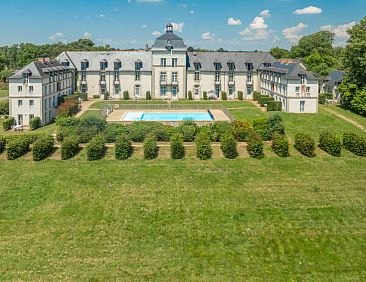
point(43, 60)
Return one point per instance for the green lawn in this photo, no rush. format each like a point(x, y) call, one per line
point(4, 93)
point(347, 113)
point(293, 219)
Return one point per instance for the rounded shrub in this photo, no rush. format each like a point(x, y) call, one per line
point(219, 128)
point(205, 95)
point(35, 123)
point(275, 124)
point(190, 97)
point(123, 148)
point(305, 144)
point(354, 143)
point(261, 127)
point(126, 95)
point(96, 148)
point(330, 143)
point(150, 148)
point(4, 108)
point(42, 148)
point(229, 146)
point(280, 145)
point(223, 95)
point(240, 95)
point(148, 95)
point(241, 129)
point(255, 147)
point(256, 96)
point(8, 123)
point(69, 147)
point(203, 146)
point(17, 147)
point(114, 130)
point(90, 127)
point(2, 143)
point(188, 130)
point(177, 150)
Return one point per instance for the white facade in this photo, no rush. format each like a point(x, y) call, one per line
point(34, 91)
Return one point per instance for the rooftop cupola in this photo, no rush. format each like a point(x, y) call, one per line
point(169, 28)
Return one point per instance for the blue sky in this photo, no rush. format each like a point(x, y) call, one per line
point(231, 24)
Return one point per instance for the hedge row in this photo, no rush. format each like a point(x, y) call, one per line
point(355, 144)
point(256, 96)
point(274, 106)
point(96, 148)
point(42, 148)
point(2, 143)
point(305, 144)
point(330, 143)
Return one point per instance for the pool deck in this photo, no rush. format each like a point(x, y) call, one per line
point(117, 115)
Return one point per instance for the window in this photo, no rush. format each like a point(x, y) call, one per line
point(31, 103)
point(20, 88)
point(116, 76)
point(84, 65)
point(196, 91)
point(66, 63)
point(163, 62)
point(31, 117)
point(31, 89)
point(249, 77)
point(302, 106)
point(163, 77)
point(303, 78)
point(84, 88)
point(308, 90)
point(102, 89)
point(196, 75)
point(231, 90)
point(217, 90)
point(174, 77)
point(217, 76)
point(83, 76)
point(175, 91)
point(20, 119)
point(217, 66)
point(117, 65)
point(102, 76)
point(103, 65)
point(162, 91)
point(20, 103)
point(137, 90)
point(231, 76)
point(174, 62)
point(117, 89)
point(250, 90)
point(137, 75)
point(297, 90)
point(197, 68)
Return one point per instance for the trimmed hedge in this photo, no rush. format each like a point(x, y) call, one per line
point(305, 144)
point(261, 127)
point(330, 143)
point(190, 97)
point(35, 123)
point(4, 108)
point(123, 148)
point(274, 106)
point(2, 143)
point(223, 95)
point(89, 127)
point(255, 147)
point(96, 148)
point(265, 100)
point(17, 147)
point(355, 143)
point(126, 95)
point(256, 96)
point(148, 95)
point(275, 124)
point(8, 123)
point(188, 130)
point(42, 148)
point(69, 147)
point(241, 130)
point(203, 146)
point(280, 145)
point(205, 95)
point(240, 95)
point(177, 150)
point(229, 146)
point(151, 150)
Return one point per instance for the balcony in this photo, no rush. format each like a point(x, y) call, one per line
point(232, 82)
point(116, 82)
point(83, 82)
point(102, 82)
point(168, 82)
point(249, 82)
point(217, 82)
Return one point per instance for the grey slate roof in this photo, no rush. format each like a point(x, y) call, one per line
point(335, 77)
point(39, 69)
point(290, 70)
point(127, 59)
point(169, 38)
point(208, 60)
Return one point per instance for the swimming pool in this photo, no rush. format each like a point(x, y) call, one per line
point(168, 116)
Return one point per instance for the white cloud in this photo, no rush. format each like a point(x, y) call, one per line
point(156, 33)
point(308, 11)
point(292, 33)
point(178, 27)
point(192, 12)
point(102, 15)
point(265, 13)
point(258, 23)
point(232, 21)
point(144, 26)
point(208, 36)
point(339, 30)
point(87, 35)
point(56, 36)
point(250, 35)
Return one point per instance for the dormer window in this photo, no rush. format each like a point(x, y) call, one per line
point(117, 65)
point(66, 63)
point(197, 69)
point(84, 65)
point(303, 79)
point(217, 66)
point(267, 65)
point(103, 65)
point(138, 65)
point(249, 66)
point(231, 66)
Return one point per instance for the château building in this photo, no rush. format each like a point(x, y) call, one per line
point(165, 71)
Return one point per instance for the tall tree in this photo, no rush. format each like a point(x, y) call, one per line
point(320, 42)
point(280, 53)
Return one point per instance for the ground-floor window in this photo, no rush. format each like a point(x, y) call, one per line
point(217, 90)
point(196, 91)
point(163, 91)
point(250, 90)
point(302, 106)
point(117, 89)
point(102, 89)
point(175, 91)
point(20, 119)
point(84, 88)
point(231, 90)
point(137, 90)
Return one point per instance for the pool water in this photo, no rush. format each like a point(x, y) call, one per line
point(168, 116)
